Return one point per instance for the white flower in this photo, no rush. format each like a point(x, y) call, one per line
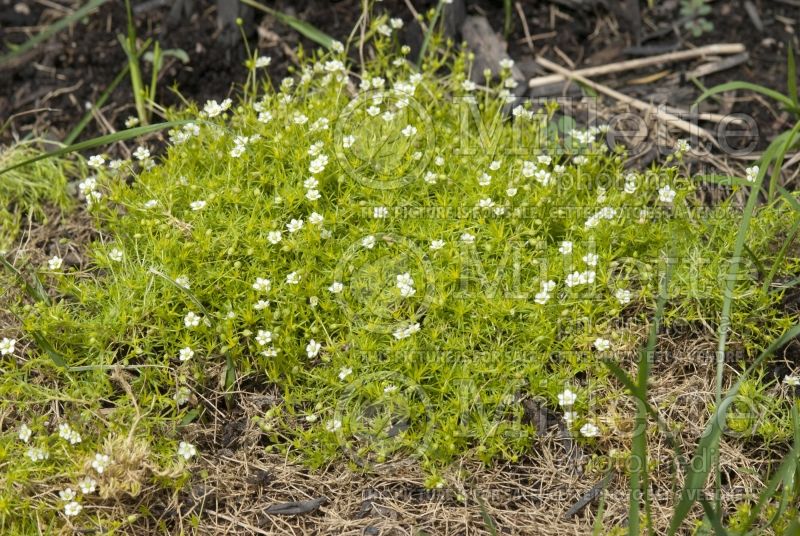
point(87, 185)
point(197, 205)
point(437, 244)
point(752, 173)
point(409, 131)
point(185, 354)
point(567, 398)
point(87, 485)
point(310, 183)
point(406, 285)
point(579, 160)
point(265, 117)
point(191, 320)
point(131, 121)
point(7, 346)
point(666, 194)
point(96, 161)
point(260, 305)
point(623, 296)
point(602, 344)
point(293, 278)
point(37, 454)
point(262, 284)
point(274, 237)
point(294, 225)
point(270, 352)
point(264, 337)
point(402, 333)
point(186, 450)
point(316, 219)
point(467, 238)
point(66, 433)
point(313, 195)
point(511, 192)
point(544, 159)
point(333, 425)
point(570, 416)
point(389, 117)
point(299, 119)
point(683, 146)
point(141, 153)
point(396, 23)
point(263, 61)
point(368, 242)
point(485, 179)
point(528, 169)
point(468, 85)
point(590, 430)
point(311, 418)
point(541, 297)
point(336, 287)
point(24, 433)
point(380, 212)
point(318, 164)
point(71, 509)
point(152, 203)
point(348, 141)
point(66, 494)
point(345, 372)
point(115, 255)
point(792, 380)
point(337, 46)
point(486, 203)
point(565, 248)
point(313, 348)
point(630, 185)
point(100, 462)
point(384, 30)
point(212, 108)
point(590, 259)
point(373, 111)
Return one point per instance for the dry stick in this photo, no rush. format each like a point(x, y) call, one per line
point(667, 117)
point(525, 28)
point(681, 55)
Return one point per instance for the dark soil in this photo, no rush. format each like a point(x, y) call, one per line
point(61, 77)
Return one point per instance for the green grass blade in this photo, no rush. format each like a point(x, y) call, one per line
point(35, 291)
point(713, 518)
point(487, 519)
point(122, 135)
point(426, 41)
point(701, 464)
point(639, 475)
point(311, 32)
point(51, 30)
point(727, 301)
point(784, 475)
point(781, 148)
point(730, 86)
point(45, 345)
point(76, 131)
point(790, 236)
point(791, 76)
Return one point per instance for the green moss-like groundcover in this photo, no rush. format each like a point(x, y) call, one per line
point(401, 275)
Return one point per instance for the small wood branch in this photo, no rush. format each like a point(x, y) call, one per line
point(659, 113)
point(671, 57)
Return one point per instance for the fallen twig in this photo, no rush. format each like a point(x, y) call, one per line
point(681, 55)
point(667, 117)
